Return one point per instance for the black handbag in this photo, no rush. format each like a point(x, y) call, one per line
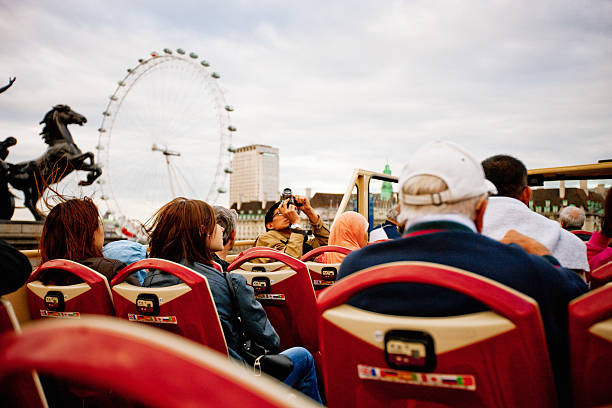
point(278, 366)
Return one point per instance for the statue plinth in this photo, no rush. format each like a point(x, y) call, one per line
point(21, 234)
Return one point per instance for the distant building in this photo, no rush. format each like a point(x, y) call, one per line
point(549, 201)
point(255, 175)
point(251, 218)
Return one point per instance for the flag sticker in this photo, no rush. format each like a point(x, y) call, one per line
point(60, 315)
point(458, 381)
point(322, 282)
point(152, 319)
point(270, 296)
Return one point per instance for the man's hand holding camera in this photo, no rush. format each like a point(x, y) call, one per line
point(304, 205)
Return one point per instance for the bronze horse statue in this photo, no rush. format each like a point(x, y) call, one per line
point(62, 157)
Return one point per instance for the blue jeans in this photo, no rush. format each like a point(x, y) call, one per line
point(304, 376)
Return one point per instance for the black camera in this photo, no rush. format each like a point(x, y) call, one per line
point(288, 195)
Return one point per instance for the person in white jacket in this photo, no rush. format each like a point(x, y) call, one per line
point(509, 210)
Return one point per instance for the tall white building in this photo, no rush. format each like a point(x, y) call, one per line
point(255, 174)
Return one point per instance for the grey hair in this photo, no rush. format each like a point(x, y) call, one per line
point(572, 217)
point(393, 213)
point(427, 184)
point(227, 219)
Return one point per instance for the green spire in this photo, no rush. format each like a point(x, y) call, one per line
point(386, 191)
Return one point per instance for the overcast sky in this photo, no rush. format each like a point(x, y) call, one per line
point(333, 85)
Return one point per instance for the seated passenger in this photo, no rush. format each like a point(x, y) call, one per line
point(598, 249)
point(73, 230)
point(388, 229)
point(443, 197)
point(350, 230)
point(228, 220)
point(186, 231)
point(284, 232)
point(509, 210)
point(127, 252)
point(16, 268)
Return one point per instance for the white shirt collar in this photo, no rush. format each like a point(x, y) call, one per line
point(458, 218)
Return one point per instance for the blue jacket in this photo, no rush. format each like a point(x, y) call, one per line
point(456, 245)
point(254, 318)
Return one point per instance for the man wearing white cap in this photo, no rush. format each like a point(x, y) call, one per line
point(443, 197)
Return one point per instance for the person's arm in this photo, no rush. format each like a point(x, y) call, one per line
point(319, 229)
point(254, 319)
point(598, 251)
point(16, 268)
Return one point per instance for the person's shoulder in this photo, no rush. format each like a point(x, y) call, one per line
point(370, 255)
point(100, 263)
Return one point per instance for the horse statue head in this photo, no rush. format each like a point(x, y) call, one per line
point(56, 123)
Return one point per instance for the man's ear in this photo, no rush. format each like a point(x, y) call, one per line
point(525, 195)
point(268, 225)
point(480, 211)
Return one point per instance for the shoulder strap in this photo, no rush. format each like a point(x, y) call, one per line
point(235, 316)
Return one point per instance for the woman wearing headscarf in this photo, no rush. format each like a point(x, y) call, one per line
point(350, 230)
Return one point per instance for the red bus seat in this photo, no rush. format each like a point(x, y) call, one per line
point(590, 331)
point(287, 296)
point(323, 275)
point(186, 309)
point(602, 275)
point(488, 359)
point(145, 366)
point(92, 296)
point(22, 389)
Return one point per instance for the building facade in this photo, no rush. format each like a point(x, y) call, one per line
point(255, 175)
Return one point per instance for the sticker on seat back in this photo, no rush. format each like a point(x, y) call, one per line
point(458, 381)
point(322, 282)
point(270, 296)
point(152, 319)
point(60, 315)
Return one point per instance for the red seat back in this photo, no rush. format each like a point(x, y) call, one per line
point(287, 296)
point(186, 309)
point(602, 275)
point(323, 275)
point(22, 389)
point(493, 358)
point(145, 366)
point(590, 330)
point(71, 301)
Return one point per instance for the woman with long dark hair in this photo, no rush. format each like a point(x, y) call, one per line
point(185, 231)
point(73, 230)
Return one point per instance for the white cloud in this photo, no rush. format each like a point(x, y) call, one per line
point(336, 86)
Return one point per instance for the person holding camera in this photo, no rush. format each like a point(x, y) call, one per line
point(285, 233)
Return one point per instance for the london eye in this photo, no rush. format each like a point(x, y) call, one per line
point(166, 131)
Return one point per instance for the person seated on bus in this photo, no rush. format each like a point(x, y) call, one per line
point(185, 231)
point(443, 198)
point(228, 219)
point(16, 268)
point(350, 230)
point(127, 252)
point(285, 233)
point(572, 219)
point(73, 230)
point(598, 249)
point(388, 229)
point(509, 209)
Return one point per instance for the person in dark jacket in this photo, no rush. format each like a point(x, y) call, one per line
point(15, 268)
point(186, 231)
point(73, 230)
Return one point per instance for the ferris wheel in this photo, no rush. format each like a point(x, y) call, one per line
point(166, 132)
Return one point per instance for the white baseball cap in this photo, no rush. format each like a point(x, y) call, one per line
point(462, 174)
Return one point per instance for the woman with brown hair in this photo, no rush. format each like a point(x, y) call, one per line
point(73, 230)
point(186, 231)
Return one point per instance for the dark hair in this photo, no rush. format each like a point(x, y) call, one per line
point(270, 213)
point(179, 231)
point(507, 173)
point(69, 231)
